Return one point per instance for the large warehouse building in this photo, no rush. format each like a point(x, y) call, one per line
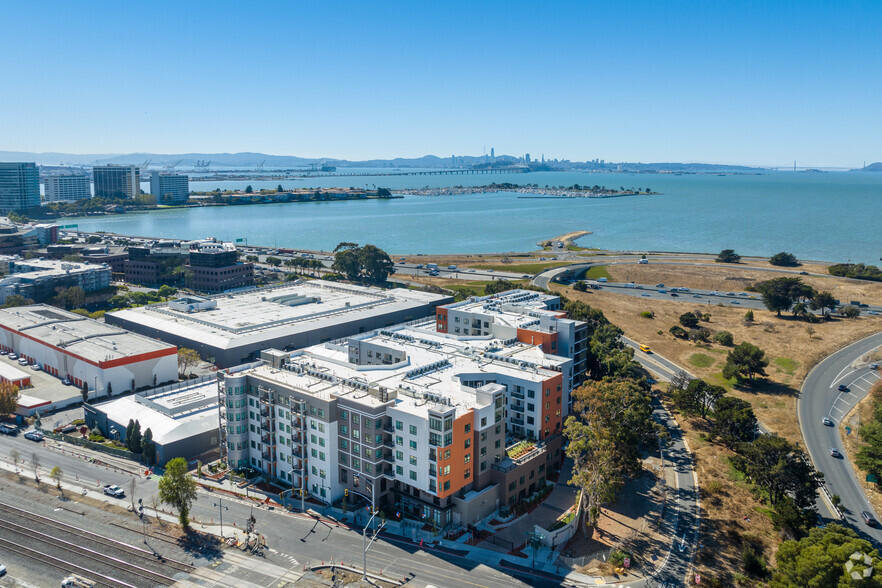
point(68, 345)
point(232, 329)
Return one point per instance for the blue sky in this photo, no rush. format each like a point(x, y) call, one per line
point(737, 82)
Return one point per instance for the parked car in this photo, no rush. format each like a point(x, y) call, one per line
point(843, 388)
point(13, 356)
point(36, 367)
point(66, 382)
point(868, 518)
point(2, 570)
point(3, 352)
point(114, 490)
point(874, 366)
point(22, 361)
point(34, 436)
point(827, 422)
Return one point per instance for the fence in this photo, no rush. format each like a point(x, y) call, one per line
point(577, 562)
point(500, 542)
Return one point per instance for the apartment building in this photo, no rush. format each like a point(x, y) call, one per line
point(37, 279)
point(170, 188)
point(67, 188)
point(531, 317)
point(410, 420)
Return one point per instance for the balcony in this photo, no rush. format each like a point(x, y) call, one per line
point(389, 429)
point(265, 411)
point(267, 456)
point(266, 438)
point(519, 452)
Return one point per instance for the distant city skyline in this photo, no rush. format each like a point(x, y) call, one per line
point(752, 83)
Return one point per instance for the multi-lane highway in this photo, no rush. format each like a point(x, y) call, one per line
point(821, 398)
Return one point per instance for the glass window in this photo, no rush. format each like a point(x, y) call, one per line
point(413, 445)
point(399, 470)
point(356, 448)
point(356, 463)
point(399, 455)
point(399, 440)
point(343, 415)
point(434, 424)
point(356, 434)
point(413, 460)
point(367, 423)
point(468, 428)
point(413, 430)
point(413, 475)
point(399, 425)
point(354, 419)
point(468, 457)
point(468, 443)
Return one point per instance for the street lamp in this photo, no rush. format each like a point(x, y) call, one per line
point(535, 540)
point(221, 508)
point(365, 545)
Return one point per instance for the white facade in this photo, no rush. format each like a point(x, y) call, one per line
point(170, 188)
point(67, 188)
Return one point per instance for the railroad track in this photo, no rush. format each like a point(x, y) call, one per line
point(128, 549)
point(64, 566)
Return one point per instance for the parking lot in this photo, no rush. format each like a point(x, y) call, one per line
point(44, 388)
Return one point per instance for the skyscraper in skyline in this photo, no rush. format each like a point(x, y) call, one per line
point(492, 153)
point(117, 181)
point(19, 186)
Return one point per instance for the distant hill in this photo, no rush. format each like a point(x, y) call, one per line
point(873, 167)
point(250, 159)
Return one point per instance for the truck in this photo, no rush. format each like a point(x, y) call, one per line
point(431, 266)
point(114, 490)
point(602, 279)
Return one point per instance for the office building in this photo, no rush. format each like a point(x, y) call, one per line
point(170, 188)
point(67, 188)
point(215, 267)
point(530, 317)
point(234, 328)
point(411, 420)
point(19, 186)
point(68, 345)
point(38, 279)
point(116, 181)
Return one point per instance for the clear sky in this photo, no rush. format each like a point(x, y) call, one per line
point(711, 81)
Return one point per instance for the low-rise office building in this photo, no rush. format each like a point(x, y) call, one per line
point(182, 419)
point(214, 267)
point(82, 350)
point(234, 328)
point(437, 427)
point(37, 279)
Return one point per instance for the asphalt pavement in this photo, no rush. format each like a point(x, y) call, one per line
point(820, 397)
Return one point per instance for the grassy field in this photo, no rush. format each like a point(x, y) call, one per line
point(522, 268)
point(597, 271)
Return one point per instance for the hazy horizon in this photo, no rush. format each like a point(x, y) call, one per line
point(757, 84)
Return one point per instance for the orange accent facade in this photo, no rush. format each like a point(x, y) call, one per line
point(460, 460)
point(544, 340)
point(552, 410)
point(441, 320)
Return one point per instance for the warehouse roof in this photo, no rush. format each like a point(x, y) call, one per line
point(87, 338)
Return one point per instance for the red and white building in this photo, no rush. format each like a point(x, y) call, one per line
point(83, 350)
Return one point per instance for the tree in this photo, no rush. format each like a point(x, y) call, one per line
point(698, 397)
point(9, 396)
point(130, 429)
point(580, 286)
point(274, 261)
point(689, 320)
point(17, 300)
point(679, 332)
point(56, 475)
point(375, 264)
point(780, 469)
point(745, 359)
point(148, 449)
point(249, 189)
point(823, 301)
point(781, 293)
point(748, 317)
point(178, 489)
point(280, 188)
point(344, 245)
point(346, 262)
point(85, 392)
point(35, 466)
point(610, 420)
point(167, 291)
point(728, 256)
point(134, 443)
point(784, 259)
point(497, 286)
point(819, 559)
point(734, 421)
point(109, 389)
point(67, 298)
point(187, 358)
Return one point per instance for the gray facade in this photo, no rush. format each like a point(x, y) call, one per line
point(67, 188)
point(117, 181)
point(170, 188)
point(19, 186)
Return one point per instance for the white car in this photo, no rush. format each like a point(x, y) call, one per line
point(115, 491)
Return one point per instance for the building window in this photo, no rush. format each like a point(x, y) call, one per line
point(468, 457)
point(356, 448)
point(468, 443)
point(399, 425)
point(447, 485)
point(413, 430)
point(399, 470)
point(413, 460)
point(483, 422)
point(468, 428)
point(413, 475)
point(467, 473)
point(413, 445)
point(355, 419)
point(343, 415)
point(445, 471)
point(399, 456)
point(344, 429)
point(399, 440)
point(367, 423)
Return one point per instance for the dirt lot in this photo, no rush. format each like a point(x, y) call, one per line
point(787, 343)
point(728, 278)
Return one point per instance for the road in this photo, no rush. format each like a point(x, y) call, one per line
point(819, 398)
point(291, 537)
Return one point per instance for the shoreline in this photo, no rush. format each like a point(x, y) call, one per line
point(530, 191)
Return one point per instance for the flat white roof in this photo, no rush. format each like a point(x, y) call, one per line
point(172, 415)
point(85, 337)
point(12, 373)
point(434, 366)
point(263, 314)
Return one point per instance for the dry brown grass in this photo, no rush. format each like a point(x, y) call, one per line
point(783, 339)
point(733, 278)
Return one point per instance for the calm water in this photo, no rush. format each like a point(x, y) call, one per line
point(833, 216)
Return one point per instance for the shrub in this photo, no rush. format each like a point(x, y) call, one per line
point(850, 311)
point(784, 259)
point(724, 338)
point(647, 314)
point(580, 287)
point(754, 565)
point(679, 332)
point(689, 320)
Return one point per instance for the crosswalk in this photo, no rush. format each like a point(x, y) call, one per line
point(855, 389)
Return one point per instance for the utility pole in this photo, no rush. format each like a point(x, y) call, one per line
point(365, 545)
point(221, 508)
